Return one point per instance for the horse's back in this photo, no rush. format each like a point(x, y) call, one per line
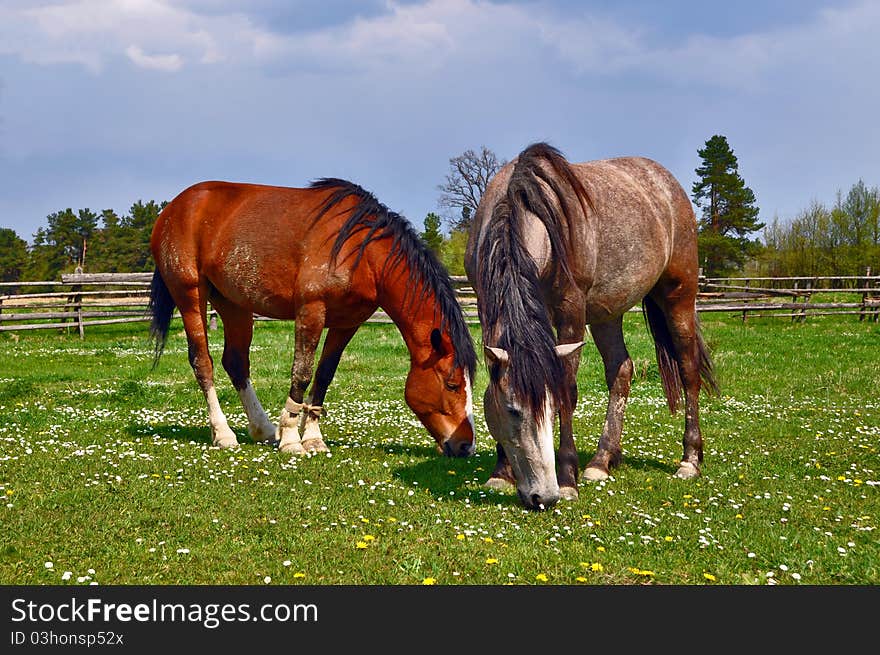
point(244, 239)
point(642, 228)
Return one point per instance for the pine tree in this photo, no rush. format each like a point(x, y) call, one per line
point(729, 213)
point(432, 236)
point(13, 255)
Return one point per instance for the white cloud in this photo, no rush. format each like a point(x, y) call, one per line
point(169, 63)
point(92, 32)
point(419, 38)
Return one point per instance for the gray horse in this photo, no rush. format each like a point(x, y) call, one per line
point(554, 247)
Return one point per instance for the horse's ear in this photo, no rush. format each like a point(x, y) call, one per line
point(437, 343)
point(496, 355)
point(566, 349)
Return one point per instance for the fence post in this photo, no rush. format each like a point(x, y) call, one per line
point(807, 297)
point(79, 315)
point(746, 299)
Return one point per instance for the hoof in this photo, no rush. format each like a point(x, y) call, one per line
point(687, 471)
point(594, 474)
point(315, 445)
point(289, 441)
point(568, 493)
point(262, 433)
point(292, 447)
point(225, 439)
point(500, 484)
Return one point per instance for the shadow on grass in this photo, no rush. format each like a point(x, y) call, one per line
point(449, 478)
point(198, 434)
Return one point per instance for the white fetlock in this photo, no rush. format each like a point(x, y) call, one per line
point(289, 441)
point(312, 439)
point(224, 438)
point(594, 475)
point(287, 433)
point(687, 471)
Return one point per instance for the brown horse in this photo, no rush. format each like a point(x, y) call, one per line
point(555, 247)
point(326, 256)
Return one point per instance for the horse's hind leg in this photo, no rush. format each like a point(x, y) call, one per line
point(192, 304)
point(618, 376)
point(238, 332)
point(335, 342)
point(692, 359)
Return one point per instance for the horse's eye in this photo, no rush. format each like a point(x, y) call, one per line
point(452, 387)
point(515, 412)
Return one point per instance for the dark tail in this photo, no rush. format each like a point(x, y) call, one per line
point(161, 308)
point(670, 375)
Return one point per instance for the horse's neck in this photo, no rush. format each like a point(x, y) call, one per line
point(399, 293)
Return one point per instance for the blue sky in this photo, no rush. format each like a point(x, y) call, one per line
point(106, 102)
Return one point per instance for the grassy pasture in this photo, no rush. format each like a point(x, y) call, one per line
point(107, 474)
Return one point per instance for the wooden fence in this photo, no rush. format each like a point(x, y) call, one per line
point(80, 300)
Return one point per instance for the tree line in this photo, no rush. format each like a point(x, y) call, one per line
point(841, 239)
point(105, 242)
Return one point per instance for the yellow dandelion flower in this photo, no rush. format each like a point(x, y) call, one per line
point(709, 577)
point(639, 571)
point(429, 581)
point(451, 472)
point(369, 537)
point(459, 536)
point(488, 540)
point(364, 520)
point(584, 565)
point(601, 549)
point(391, 519)
point(9, 492)
point(581, 578)
point(687, 496)
point(299, 574)
point(738, 516)
point(541, 577)
point(361, 544)
point(667, 538)
point(596, 566)
point(491, 560)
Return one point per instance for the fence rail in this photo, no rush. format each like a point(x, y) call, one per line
point(89, 299)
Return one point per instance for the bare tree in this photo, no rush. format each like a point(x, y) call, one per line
point(465, 184)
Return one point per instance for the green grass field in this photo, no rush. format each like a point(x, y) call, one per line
point(108, 476)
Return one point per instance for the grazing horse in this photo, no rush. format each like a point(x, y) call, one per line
point(326, 256)
point(554, 247)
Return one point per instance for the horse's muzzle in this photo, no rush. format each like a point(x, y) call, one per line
point(453, 447)
point(537, 502)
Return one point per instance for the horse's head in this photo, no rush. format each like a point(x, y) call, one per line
point(524, 427)
point(439, 392)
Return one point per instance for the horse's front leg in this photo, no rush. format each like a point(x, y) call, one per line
point(309, 325)
point(336, 341)
point(618, 376)
point(502, 478)
point(567, 462)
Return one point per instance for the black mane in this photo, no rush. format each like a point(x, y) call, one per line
point(512, 305)
point(431, 277)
